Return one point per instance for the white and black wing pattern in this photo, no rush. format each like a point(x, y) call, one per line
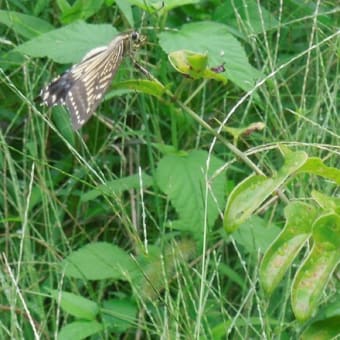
point(82, 87)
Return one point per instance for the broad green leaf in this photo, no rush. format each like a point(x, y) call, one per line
point(76, 305)
point(152, 6)
point(98, 261)
point(221, 47)
point(182, 178)
point(316, 270)
point(25, 25)
point(254, 190)
point(68, 44)
point(119, 315)
point(79, 10)
point(316, 166)
point(79, 330)
point(298, 228)
point(194, 65)
point(116, 187)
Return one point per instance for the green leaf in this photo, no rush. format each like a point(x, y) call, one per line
point(76, 305)
point(182, 178)
point(116, 187)
point(81, 9)
point(222, 49)
point(68, 44)
point(79, 330)
point(316, 166)
point(318, 267)
point(119, 315)
point(25, 25)
point(255, 234)
point(326, 202)
point(298, 228)
point(248, 195)
point(322, 330)
point(126, 9)
point(63, 5)
point(98, 261)
point(138, 85)
point(152, 6)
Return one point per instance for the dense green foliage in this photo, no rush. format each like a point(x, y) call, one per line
point(200, 201)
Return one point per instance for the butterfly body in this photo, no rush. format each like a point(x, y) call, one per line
point(82, 87)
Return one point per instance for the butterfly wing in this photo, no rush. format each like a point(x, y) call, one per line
point(82, 87)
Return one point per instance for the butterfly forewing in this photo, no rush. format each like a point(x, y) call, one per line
point(82, 87)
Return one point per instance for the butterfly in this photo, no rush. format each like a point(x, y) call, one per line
point(82, 87)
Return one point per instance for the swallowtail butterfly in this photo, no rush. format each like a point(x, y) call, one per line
point(82, 87)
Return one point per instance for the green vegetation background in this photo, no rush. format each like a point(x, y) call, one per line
point(117, 230)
